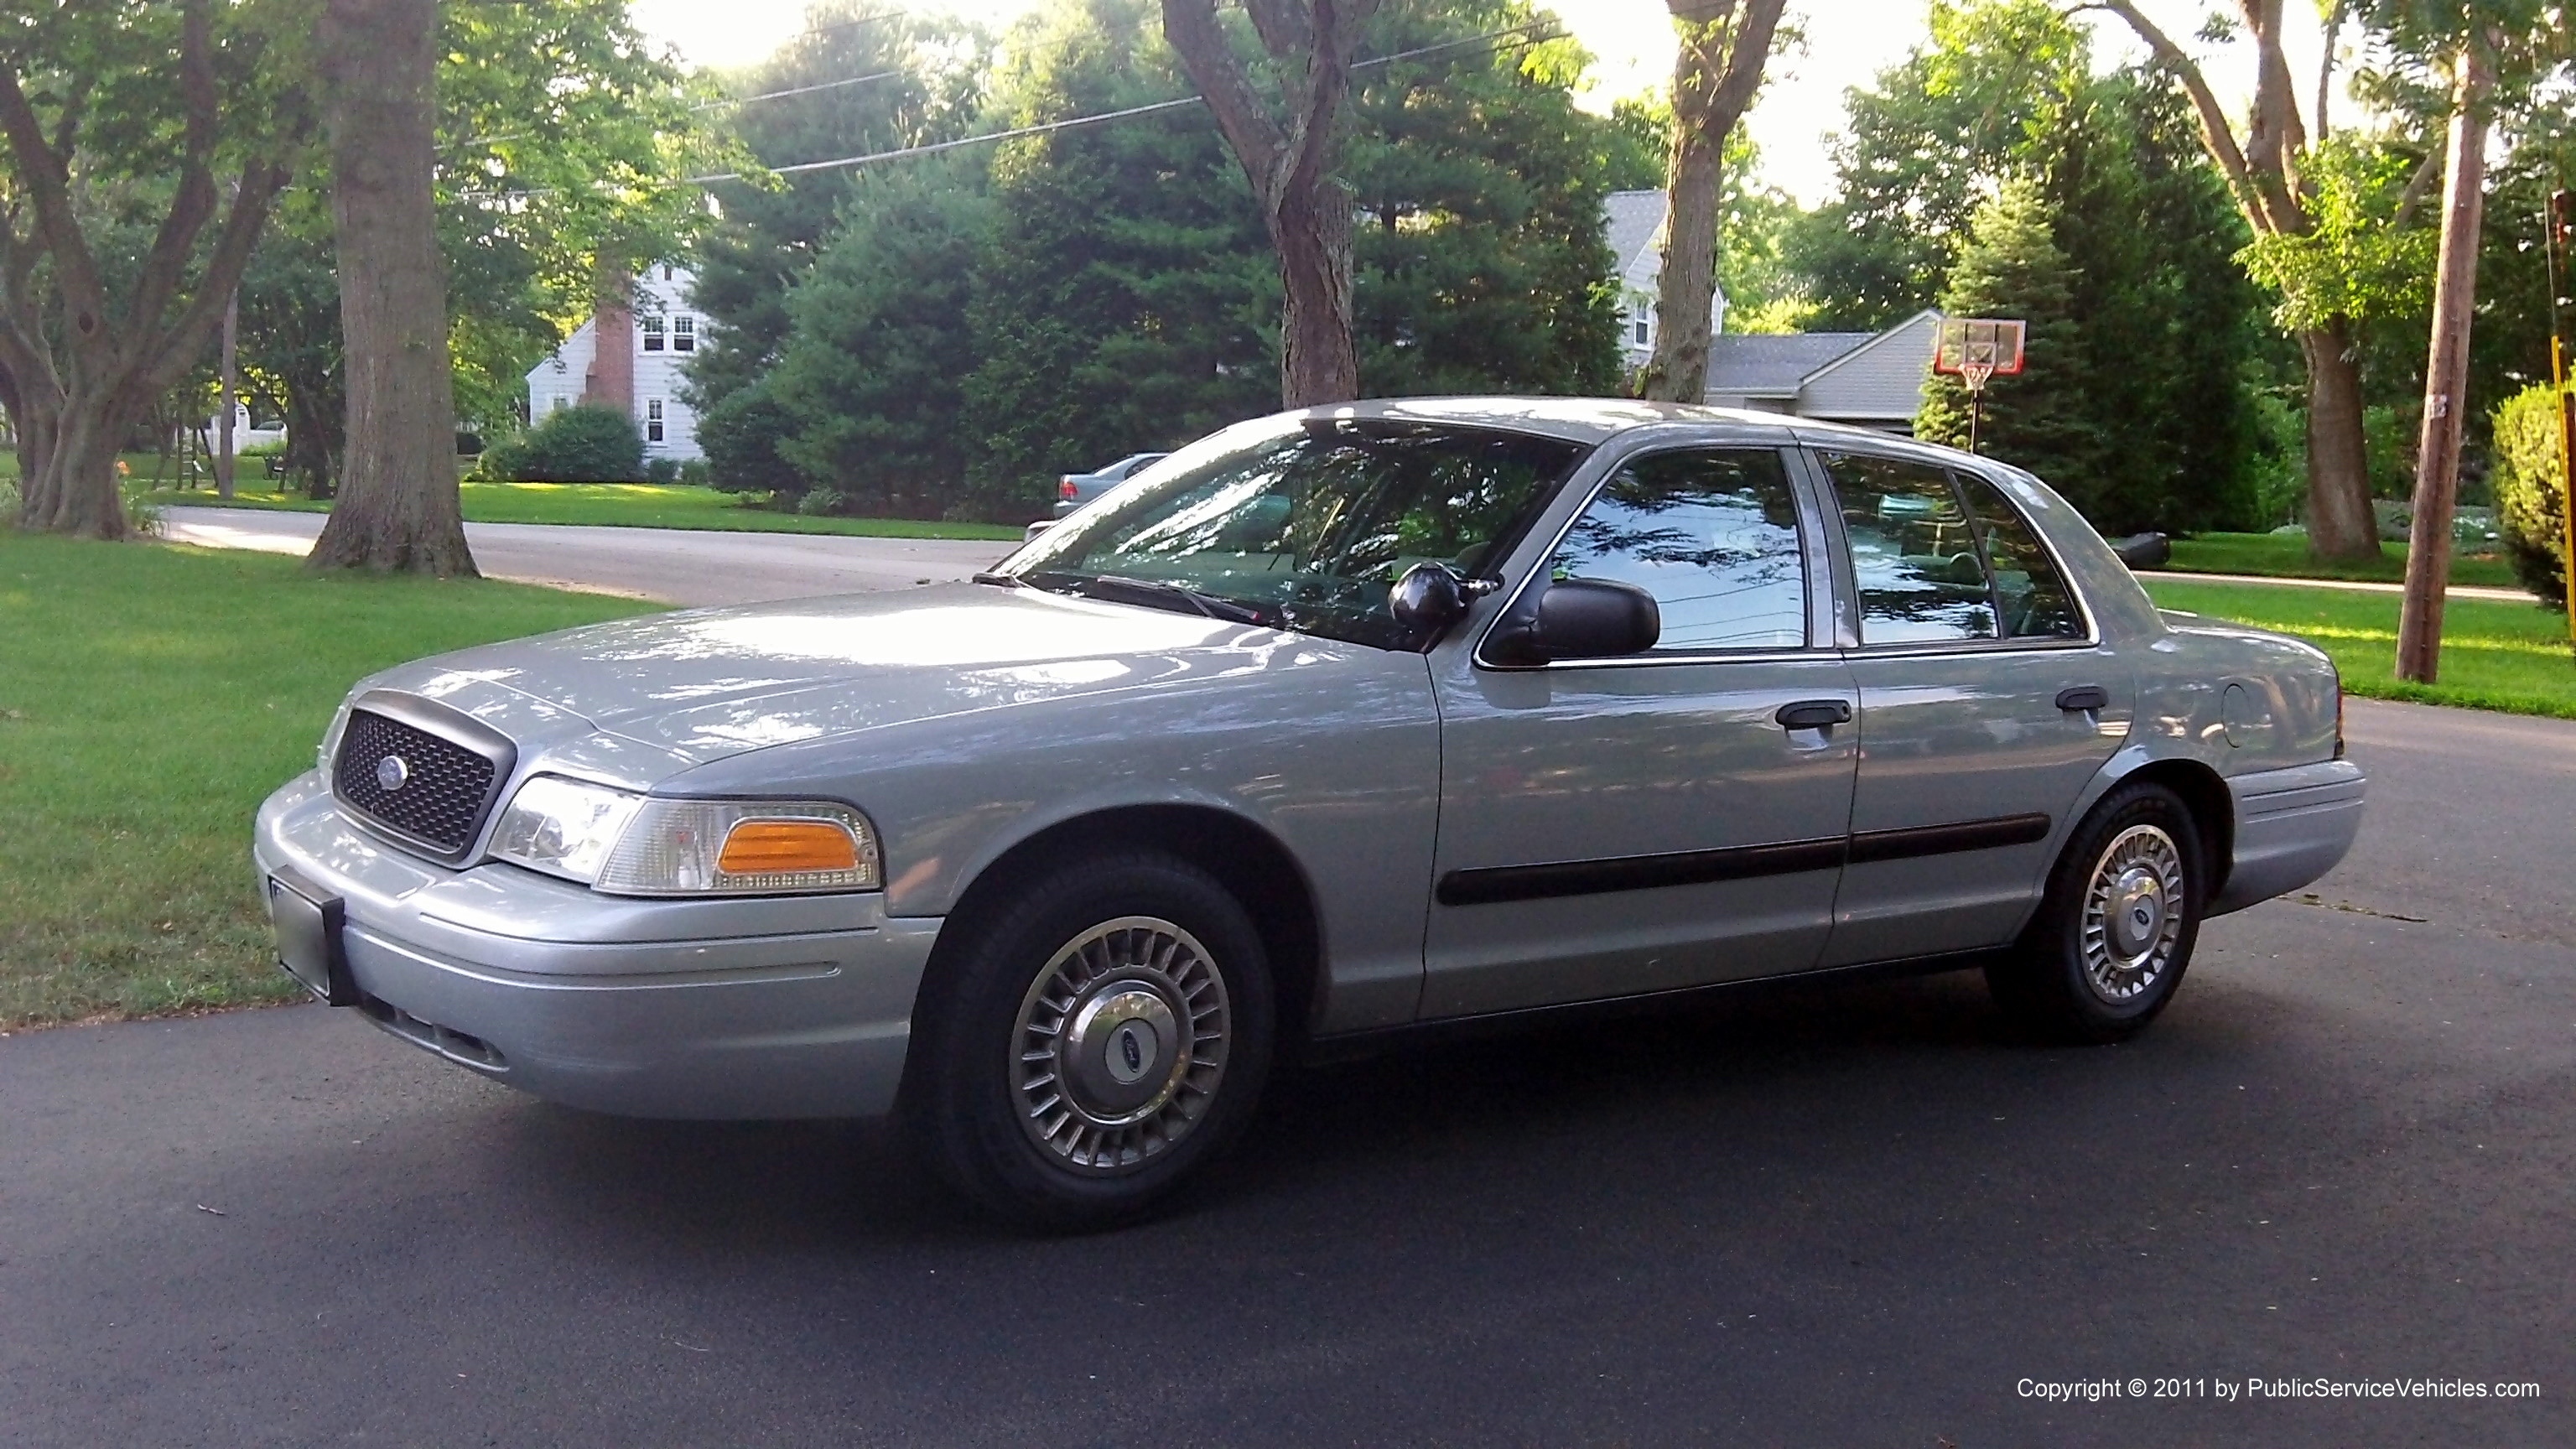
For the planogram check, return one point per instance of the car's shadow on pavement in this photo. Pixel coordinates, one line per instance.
(1562, 1116)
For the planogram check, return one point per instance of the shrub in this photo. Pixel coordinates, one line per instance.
(661, 470)
(693, 471)
(823, 501)
(583, 444)
(740, 433)
(2529, 491)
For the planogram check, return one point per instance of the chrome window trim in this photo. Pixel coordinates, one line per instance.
(1809, 542)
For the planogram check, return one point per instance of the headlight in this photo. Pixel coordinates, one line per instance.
(563, 827)
(635, 845)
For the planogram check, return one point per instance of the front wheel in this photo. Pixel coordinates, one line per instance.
(2115, 932)
(1093, 1044)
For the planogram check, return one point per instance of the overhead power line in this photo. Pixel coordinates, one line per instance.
(1536, 32)
(1523, 32)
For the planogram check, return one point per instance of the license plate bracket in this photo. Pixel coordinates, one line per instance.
(310, 924)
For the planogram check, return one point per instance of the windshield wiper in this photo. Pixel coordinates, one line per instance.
(1156, 594)
(1007, 581)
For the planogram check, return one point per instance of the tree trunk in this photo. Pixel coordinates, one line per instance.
(1318, 362)
(398, 506)
(2340, 522)
(1715, 75)
(1687, 291)
(2446, 373)
(226, 374)
(78, 488)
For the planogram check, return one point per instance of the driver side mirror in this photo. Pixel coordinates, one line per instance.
(1583, 619)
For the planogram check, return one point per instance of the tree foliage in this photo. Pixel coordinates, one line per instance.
(2530, 491)
(144, 146)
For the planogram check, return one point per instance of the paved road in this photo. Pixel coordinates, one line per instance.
(1839, 1217)
(677, 566)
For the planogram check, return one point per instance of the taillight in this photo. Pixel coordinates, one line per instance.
(1064, 489)
(2338, 718)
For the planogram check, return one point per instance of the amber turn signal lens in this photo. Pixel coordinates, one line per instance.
(784, 847)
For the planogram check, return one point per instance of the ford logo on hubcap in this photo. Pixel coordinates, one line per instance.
(391, 772)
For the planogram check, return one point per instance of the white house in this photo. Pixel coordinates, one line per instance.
(641, 379)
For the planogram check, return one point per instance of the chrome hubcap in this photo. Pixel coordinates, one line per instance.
(1121, 1045)
(2132, 913)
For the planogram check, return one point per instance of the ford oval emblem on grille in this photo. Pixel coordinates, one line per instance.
(391, 772)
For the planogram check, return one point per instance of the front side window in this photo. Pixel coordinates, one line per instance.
(684, 333)
(1712, 535)
(2033, 594)
(1913, 552)
(1304, 524)
(652, 334)
(653, 421)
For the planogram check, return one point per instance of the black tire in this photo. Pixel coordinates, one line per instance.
(2062, 984)
(971, 1083)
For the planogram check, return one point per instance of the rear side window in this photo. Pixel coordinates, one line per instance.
(1712, 535)
(1913, 552)
(2033, 594)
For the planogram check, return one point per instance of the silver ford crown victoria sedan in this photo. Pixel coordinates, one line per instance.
(1329, 726)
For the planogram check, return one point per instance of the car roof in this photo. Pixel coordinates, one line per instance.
(1585, 420)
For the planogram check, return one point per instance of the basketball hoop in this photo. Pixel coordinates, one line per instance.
(1977, 350)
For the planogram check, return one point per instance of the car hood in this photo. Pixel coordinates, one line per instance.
(703, 684)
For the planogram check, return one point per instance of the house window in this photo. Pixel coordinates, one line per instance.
(558, 403)
(652, 334)
(653, 421)
(666, 271)
(1641, 331)
(684, 333)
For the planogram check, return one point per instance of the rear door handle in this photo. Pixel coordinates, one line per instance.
(1814, 714)
(2084, 696)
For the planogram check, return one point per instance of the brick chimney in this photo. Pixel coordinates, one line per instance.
(610, 383)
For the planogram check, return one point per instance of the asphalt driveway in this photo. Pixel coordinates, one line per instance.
(1855, 1216)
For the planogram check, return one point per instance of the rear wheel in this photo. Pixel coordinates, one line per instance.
(2115, 932)
(1093, 1044)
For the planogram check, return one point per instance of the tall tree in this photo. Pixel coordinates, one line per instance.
(1724, 45)
(1125, 296)
(398, 507)
(861, 80)
(2011, 267)
(1288, 159)
(1479, 183)
(134, 107)
(2265, 169)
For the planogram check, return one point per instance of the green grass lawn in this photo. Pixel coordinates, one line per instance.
(2286, 556)
(2494, 655)
(623, 505)
(150, 697)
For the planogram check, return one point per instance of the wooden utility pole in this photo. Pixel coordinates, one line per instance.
(2446, 370)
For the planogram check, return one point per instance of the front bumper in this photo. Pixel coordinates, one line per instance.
(2292, 826)
(786, 1006)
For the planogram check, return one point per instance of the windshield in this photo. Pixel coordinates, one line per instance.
(1303, 524)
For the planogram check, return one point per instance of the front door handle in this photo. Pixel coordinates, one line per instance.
(1814, 714)
(2084, 696)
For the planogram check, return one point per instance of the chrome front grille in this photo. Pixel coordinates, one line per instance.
(427, 780)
